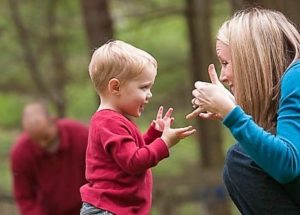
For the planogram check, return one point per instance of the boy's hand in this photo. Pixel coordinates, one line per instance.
(171, 136)
(160, 121)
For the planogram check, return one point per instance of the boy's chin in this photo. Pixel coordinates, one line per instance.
(135, 115)
(139, 114)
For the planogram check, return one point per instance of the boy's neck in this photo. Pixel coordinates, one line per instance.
(104, 106)
(107, 104)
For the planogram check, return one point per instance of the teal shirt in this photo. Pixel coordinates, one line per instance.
(278, 155)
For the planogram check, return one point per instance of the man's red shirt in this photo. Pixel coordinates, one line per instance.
(48, 183)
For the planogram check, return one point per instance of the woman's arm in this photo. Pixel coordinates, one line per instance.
(278, 155)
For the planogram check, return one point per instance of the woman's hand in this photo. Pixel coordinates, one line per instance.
(212, 100)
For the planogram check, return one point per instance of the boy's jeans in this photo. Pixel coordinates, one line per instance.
(88, 209)
(252, 190)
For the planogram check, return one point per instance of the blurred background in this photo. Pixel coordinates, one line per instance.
(45, 50)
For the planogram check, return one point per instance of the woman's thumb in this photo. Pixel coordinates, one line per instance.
(213, 74)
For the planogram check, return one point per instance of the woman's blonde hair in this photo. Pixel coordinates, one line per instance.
(117, 59)
(263, 43)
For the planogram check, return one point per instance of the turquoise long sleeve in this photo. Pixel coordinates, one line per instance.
(278, 155)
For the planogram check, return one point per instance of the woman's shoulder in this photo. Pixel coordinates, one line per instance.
(292, 73)
(289, 84)
(294, 67)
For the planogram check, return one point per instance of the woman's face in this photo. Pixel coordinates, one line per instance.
(224, 56)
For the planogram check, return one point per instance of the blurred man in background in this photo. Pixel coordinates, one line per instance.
(48, 163)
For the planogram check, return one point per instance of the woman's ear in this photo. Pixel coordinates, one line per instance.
(114, 86)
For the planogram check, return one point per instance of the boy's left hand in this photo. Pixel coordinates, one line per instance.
(160, 121)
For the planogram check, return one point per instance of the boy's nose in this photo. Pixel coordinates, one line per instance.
(149, 95)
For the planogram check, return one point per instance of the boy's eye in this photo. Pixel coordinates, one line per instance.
(146, 87)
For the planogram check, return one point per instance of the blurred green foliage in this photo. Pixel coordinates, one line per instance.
(10, 111)
(7, 138)
(166, 38)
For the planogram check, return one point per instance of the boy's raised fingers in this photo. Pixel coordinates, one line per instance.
(184, 132)
(168, 123)
(169, 113)
(159, 112)
(188, 133)
(172, 120)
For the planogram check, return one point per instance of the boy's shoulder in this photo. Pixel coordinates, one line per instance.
(108, 120)
(108, 117)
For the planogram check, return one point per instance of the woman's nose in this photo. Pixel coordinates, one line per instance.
(223, 76)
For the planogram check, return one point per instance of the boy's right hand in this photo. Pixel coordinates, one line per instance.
(171, 136)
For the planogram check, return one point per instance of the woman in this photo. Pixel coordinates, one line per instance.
(259, 53)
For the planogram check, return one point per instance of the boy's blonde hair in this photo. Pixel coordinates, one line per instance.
(263, 43)
(120, 60)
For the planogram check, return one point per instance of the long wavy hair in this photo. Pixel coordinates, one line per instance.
(263, 43)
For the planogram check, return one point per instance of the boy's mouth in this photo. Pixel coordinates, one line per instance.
(142, 107)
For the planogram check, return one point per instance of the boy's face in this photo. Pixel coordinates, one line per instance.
(134, 94)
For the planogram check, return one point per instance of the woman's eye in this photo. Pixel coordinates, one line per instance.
(224, 63)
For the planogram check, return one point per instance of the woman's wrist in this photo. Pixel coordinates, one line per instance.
(227, 109)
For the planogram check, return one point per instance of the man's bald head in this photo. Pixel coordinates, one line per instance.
(34, 116)
(37, 122)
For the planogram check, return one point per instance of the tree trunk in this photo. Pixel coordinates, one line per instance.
(209, 135)
(30, 57)
(59, 68)
(52, 90)
(98, 22)
(289, 8)
(242, 4)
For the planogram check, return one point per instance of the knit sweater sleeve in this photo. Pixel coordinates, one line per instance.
(128, 148)
(151, 134)
(278, 155)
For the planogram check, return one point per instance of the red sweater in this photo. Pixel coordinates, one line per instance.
(118, 162)
(48, 184)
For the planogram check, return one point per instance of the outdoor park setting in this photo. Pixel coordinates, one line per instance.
(46, 49)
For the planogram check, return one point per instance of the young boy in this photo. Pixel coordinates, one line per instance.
(119, 157)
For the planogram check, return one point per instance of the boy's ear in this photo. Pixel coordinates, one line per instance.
(114, 86)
